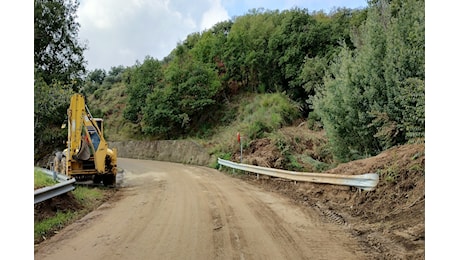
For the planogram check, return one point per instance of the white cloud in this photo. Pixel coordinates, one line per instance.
(119, 32)
(93, 12)
(215, 14)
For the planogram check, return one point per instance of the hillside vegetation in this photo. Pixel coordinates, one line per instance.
(354, 76)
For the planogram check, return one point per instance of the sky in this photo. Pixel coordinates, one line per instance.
(121, 32)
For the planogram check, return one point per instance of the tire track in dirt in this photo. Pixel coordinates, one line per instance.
(301, 233)
(226, 237)
(174, 211)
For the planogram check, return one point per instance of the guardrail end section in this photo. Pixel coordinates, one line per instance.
(373, 178)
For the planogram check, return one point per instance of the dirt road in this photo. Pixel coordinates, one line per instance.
(174, 211)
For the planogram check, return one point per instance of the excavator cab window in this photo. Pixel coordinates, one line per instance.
(99, 124)
(95, 139)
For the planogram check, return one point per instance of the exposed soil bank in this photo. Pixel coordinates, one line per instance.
(179, 151)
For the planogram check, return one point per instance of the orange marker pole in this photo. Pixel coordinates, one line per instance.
(238, 137)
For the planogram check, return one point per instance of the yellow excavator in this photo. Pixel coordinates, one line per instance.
(87, 156)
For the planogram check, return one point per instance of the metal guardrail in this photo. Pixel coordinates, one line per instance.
(366, 181)
(64, 186)
(56, 176)
(46, 193)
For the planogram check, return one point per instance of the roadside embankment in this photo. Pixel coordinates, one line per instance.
(180, 151)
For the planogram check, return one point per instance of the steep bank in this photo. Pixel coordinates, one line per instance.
(180, 151)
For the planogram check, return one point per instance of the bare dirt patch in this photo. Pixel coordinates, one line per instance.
(48, 208)
(389, 221)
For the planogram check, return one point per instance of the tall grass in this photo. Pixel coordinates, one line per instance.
(88, 197)
(41, 179)
(266, 113)
(256, 117)
(44, 228)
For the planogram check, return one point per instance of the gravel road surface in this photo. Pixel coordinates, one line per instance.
(173, 211)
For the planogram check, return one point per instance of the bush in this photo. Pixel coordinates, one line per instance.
(267, 113)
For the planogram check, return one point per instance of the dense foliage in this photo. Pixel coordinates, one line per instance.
(58, 56)
(356, 73)
(50, 105)
(374, 95)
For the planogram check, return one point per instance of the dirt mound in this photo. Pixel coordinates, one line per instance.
(390, 221)
(294, 148)
(261, 152)
(48, 208)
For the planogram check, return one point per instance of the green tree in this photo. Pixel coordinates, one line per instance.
(97, 76)
(331, 30)
(293, 40)
(339, 107)
(248, 61)
(50, 110)
(140, 81)
(114, 75)
(312, 76)
(58, 55)
(211, 48)
(162, 117)
(405, 72)
(191, 88)
(302, 45)
(93, 81)
(373, 97)
(354, 94)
